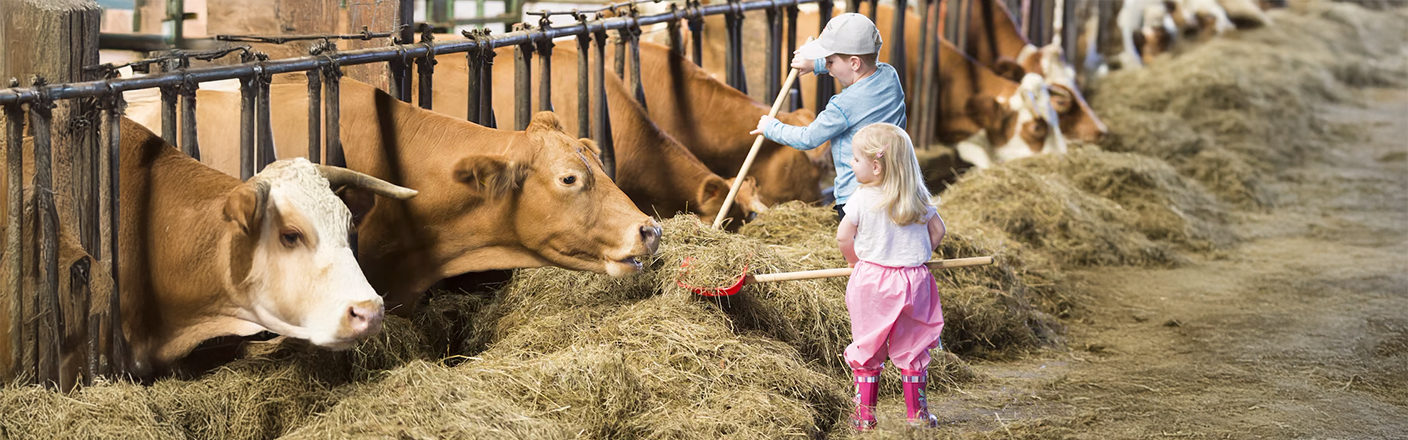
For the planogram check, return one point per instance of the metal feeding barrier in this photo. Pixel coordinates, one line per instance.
(35, 319)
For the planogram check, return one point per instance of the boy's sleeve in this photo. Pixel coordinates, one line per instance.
(819, 67)
(827, 125)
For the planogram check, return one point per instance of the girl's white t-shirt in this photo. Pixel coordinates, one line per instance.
(878, 239)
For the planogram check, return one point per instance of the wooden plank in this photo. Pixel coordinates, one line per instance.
(273, 18)
(376, 16)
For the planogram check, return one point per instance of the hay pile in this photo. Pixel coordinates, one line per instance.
(1230, 125)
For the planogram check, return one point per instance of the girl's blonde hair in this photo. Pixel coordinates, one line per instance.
(906, 198)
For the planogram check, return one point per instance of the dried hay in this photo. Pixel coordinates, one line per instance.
(1229, 124)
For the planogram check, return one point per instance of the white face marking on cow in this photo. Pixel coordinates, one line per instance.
(304, 281)
(1032, 103)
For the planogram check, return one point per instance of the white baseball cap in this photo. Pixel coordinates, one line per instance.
(849, 33)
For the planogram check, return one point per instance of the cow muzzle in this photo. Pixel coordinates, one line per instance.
(364, 318)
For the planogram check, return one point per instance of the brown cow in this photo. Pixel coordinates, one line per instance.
(713, 120)
(490, 199)
(654, 169)
(203, 255)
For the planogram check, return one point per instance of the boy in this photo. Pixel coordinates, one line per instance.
(848, 49)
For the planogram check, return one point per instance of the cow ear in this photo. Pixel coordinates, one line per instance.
(713, 188)
(1061, 98)
(1009, 69)
(591, 145)
(245, 205)
(985, 110)
(491, 175)
(358, 201)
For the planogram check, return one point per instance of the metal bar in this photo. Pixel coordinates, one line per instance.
(795, 95)
(738, 49)
(355, 57)
(315, 125)
(405, 19)
(852, 6)
(825, 86)
(545, 68)
(168, 114)
(774, 68)
(176, 13)
(472, 61)
(696, 29)
(676, 35)
(266, 154)
(897, 43)
(960, 35)
(602, 128)
(14, 168)
(248, 91)
(332, 99)
(584, 113)
(874, 9)
(636, 83)
(621, 54)
(46, 302)
(486, 88)
(730, 70)
(189, 142)
(425, 66)
(922, 79)
(522, 85)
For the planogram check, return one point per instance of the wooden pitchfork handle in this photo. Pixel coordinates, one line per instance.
(752, 153)
(830, 273)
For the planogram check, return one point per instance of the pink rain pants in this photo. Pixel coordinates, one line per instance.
(895, 312)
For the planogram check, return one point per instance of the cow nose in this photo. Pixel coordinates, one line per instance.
(752, 215)
(365, 318)
(650, 236)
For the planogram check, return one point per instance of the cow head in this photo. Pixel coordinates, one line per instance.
(562, 208)
(1078, 120)
(746, 204)
(1013, 126)
(291, 262)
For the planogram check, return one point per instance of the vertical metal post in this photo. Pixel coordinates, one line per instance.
(676, 36)
(922, 79)
(738, 76)
(852, 6)
(545, 68)
(315, 125)
(522, 85)
(897, 43)
(332, 100)
(400, 71)
(486, 85)
(14, 168)
(633, 33)
(584, 108)
(874, 9)
(425, 66)
(189, 142)
(46, 302)
(248, 90)
(825, 86)
(266, 154)
(795, 95)
(168, 115)
(601, 130)
(774, 73)
(472, 60)
(696, 29)
(621, 54)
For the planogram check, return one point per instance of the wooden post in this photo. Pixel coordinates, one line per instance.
(376, 16)
(14, 165)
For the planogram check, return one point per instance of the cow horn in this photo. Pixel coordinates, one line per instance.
(341, 176)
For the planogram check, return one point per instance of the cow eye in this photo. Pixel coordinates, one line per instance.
(569, 180)
(290, 239)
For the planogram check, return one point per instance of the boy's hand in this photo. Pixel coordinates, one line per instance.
(803, 65)
(762, 124)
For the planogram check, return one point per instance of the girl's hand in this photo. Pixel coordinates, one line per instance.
(762, 124)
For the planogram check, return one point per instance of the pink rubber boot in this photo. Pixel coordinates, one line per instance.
(916, 406)
(867, 389)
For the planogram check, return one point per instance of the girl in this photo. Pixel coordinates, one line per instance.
(889, 231)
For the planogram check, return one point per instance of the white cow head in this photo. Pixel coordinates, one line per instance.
(292, 267)
(1025, 124)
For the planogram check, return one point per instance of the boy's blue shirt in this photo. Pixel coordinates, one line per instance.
(876, 98)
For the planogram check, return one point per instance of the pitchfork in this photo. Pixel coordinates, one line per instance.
(748, 278)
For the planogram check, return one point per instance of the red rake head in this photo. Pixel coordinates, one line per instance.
(710, 291)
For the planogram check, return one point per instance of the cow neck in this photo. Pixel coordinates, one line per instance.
(426, 146)
(964, 79)
(721, 133)
(167, 281)
(659, 166)
(997, 33)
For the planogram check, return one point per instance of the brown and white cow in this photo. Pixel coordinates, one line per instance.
(203, 255)
(713, 121)
(999, 46)
(654, 169)
(1147, 30)
(489, 199)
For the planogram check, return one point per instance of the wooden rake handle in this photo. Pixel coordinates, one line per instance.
(831, 273)
(752, 153)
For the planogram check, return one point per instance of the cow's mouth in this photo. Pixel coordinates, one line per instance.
(632, 262)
